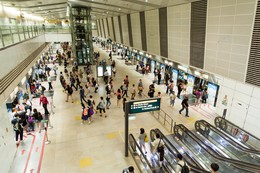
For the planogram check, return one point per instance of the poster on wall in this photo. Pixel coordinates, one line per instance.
(175, 76)
(190, 84)
(212, 93)
(100, 71)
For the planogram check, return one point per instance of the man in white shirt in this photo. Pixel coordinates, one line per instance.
(106, 74)
(180, 163)
(49, 82)
(158, 146)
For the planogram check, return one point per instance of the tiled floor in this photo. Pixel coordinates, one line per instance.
(99, 147)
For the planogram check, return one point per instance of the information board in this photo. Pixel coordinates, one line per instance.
(144, 105)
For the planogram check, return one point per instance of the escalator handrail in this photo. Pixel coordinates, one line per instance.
(193, 168)
(137, 145)
(236, 127)
(223, 135)
(204, 146)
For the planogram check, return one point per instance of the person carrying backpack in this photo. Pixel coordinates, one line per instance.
(182, 166)
(102, 106)
(18, 128)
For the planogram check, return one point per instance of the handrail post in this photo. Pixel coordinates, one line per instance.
(164, 118)
(172, 125)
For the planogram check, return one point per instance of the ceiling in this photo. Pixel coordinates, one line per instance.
(100, 8)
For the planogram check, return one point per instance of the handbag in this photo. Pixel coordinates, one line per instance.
(160, 148)
(146, 138)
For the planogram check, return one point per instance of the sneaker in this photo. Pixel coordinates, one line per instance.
(179, 112)
(187, 116)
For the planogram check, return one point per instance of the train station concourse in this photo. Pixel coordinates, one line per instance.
(132, 86)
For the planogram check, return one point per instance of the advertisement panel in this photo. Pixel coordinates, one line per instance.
(175, 74)
(212, 93)
(190, 84)
(100, 71)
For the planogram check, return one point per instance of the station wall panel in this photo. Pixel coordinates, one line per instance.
(125, 31)
(111, 29)
(228, 37)
(105, 28)
(136, 31)
(179, 33)
(116, 27)
(152, 31)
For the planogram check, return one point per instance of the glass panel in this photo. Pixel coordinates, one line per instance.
(16, 38)
(7, 39)
(22, 36)
(1, 44)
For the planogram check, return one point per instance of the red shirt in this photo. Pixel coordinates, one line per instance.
(43, 100)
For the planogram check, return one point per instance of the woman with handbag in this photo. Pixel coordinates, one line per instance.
(143, 138)
(158, 146)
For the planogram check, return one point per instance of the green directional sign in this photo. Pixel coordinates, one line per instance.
(146, 105)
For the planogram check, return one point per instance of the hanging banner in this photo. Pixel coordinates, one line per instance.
(191, 80)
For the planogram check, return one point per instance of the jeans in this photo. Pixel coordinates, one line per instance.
(19, 133)
(124, 93)
(50, 86)
(108, 103)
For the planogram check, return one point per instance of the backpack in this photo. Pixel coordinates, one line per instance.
(90, 111)
(184, 168)
(30, 119)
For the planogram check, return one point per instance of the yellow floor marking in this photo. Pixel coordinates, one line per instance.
(85, 162)
(77, 102)
(77, 117)
(112, 135)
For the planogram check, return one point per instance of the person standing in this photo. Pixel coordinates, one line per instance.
(214, 168)
(198, 95)
(106, 74)
(18, 128)
(110, 56)
(185, 106)
(159, 75)
(49, 82)
(38, 118)
(141, 138)
(179, 89)
(158, 146)
(72, 82)
(170, 87)
(84, 116)
(44, 101)
(101, 106)
(130, 169)
(55, 68)
(181, 166)
(204, 96)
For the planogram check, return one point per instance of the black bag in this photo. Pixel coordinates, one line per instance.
(119, 96)
(160, 148)
(184, 168)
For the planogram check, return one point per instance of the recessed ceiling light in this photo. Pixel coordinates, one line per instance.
(146, 0)
(119, 8)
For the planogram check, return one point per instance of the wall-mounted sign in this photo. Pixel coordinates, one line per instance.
(190, 84)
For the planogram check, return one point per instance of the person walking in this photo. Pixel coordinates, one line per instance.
(69, 93)
(140, 87)
(125, 89)
(110, 56)
(72, 82)
(101, 106)
(82, 95)
(44, 101)
(50, 83)
(142, 139)
(106, 74)
(185, 106)
(84, 116)
(119, 96)
(172, 98)
(18, 128)
(108, 100)
(159, 76)
(133, 92)
(38, 118)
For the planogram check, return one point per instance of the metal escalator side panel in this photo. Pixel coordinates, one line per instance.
(211, 153)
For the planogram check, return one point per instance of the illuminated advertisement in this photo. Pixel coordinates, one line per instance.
(190, 84)
(138, 57)
(100, 71)
(175, 76)
(152, 65)
(212, 93)
(109, 69)
(145, 60)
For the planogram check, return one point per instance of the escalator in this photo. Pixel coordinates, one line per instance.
(145, 163)
(226, 144)
(194, 165)
(241, 136)
(211, 155)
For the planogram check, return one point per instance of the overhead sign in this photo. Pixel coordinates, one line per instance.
(147, 105)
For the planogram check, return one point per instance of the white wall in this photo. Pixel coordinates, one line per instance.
(179, 33)
(58, 37)
(105, 26)
(125, 30)
(117, 32)
(152, 31)
(136, 30)
(243, 104)
(228, 37)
